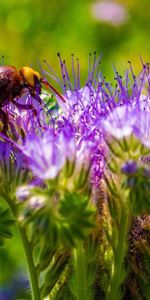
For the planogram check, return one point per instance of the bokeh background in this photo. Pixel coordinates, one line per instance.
(33, 30)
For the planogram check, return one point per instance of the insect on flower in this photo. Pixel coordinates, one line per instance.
(14, 82)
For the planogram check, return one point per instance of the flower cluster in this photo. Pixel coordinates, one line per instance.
(58, 152)
(84, 116)
(99, 109)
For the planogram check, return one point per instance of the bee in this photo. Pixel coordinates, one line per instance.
(14, 82)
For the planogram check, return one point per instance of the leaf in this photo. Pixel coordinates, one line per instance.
(64, 292)
(6, 222)
(45, 257)
(53, 274)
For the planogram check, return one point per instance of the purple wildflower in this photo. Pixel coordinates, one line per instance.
(85, 115)
(125, 120)
(142, 127)
(130, 167)
(132, 114)
(97, 108)
(46, 153)
(23, 192)
(120, 121)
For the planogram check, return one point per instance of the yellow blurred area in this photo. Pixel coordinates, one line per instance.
(31, 31)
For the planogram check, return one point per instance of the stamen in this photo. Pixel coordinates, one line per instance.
(63, 73)
(73, 72)
(78, 74)
(2, 63)
(97, 67)
(67, 75)
(94, 64)
(127, 80)
(89, 67)
(55, 77)
(131, 69)
(120, 82)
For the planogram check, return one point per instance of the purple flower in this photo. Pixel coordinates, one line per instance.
(24, 192)
(144, 102)
(130, 167)
(125, 120)
(86, 114)
(120, 121)
(142, 127)
(97, 108)
(46, 153)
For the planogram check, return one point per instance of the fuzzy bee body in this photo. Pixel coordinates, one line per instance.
(13, 84)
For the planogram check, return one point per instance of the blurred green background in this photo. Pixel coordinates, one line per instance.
(33, 30)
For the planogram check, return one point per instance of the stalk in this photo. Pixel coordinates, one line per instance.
(81, 282)
(27, 250)
(118, 270)
(30, 262)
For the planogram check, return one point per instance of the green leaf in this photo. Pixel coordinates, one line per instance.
(64, 292)
(53, 274)
(45, 257)
(6, 222)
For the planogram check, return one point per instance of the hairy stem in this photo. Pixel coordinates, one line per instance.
(28, 251)
(118, 269)
(31, 268)
(81, 283)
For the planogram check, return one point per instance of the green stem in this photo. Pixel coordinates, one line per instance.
(118, 270)
(28, 252)
(31, 268)
(81, 284)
